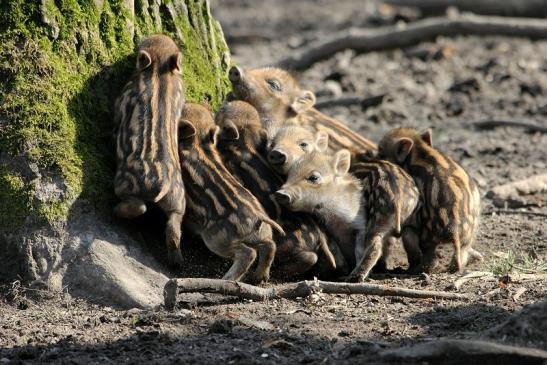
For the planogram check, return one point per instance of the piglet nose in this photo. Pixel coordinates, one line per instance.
(235, 74)
(282, 197)
(277, 157)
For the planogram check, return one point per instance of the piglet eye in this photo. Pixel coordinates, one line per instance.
(274, 85)
(314, 178)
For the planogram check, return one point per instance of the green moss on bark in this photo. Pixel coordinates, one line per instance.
(62, 64)
(16, 198)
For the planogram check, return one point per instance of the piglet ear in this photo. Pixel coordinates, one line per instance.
(143, 60)
(321, 141)
(175, 63)
(213, 134)
(403, 148)
(186, 129)
(229, 131)
(342, 161)
(303, 102)
(427, 137)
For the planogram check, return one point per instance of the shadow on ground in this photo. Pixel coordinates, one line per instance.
(459, 321)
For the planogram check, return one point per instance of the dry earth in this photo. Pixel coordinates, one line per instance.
(447, 85)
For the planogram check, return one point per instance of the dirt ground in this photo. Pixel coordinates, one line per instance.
(446, 85)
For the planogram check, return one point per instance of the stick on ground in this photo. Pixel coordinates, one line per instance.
(470, 275)
(448, 351)
(514, 211)
(291, 290)
(491, 124)
(526, 8)
(366, 40)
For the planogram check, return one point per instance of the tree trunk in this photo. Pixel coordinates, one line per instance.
(62, 64)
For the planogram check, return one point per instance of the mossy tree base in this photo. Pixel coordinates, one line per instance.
(62, 64)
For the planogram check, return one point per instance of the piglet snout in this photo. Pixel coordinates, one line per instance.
(282, 197)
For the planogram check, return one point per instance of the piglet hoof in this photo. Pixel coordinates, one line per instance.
(257, 279)
(414, 270)
(175, 258)
(354, 278)
(397, 271)
(380, 267)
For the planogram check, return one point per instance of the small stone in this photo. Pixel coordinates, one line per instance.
(223, 326)
(332, 88)
(184, 313)
(133, 311)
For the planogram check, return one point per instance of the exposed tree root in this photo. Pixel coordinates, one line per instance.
(367, 40)
(291, 290)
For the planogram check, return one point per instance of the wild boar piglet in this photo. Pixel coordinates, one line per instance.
(146, 117)
(366, 209)
(242, 145)
(291, 143)
(229, 219)
(451, 199)
(279, 99)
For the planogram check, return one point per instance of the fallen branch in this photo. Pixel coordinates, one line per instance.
(464, 352)
(291, 290)
(514, 211)
(491, 124)
(525, 8)
(367, 40)
(351, 100)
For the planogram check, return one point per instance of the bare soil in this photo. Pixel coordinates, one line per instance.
(446, 85)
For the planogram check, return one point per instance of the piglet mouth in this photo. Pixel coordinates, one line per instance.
(240, 92)
(318, 208)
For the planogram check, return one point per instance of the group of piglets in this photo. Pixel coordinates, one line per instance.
(271, 179)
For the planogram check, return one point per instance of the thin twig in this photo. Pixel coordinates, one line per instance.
(518, 293)
(291, 290)
(367, 40)
(471, 275)
(514, 211)
(491, 124)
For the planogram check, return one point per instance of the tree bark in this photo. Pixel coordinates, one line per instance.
(62, 65)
